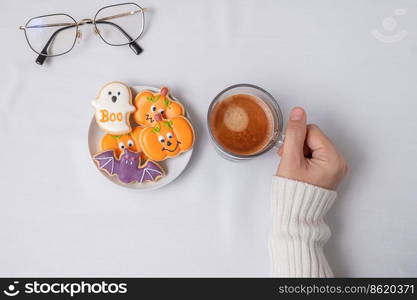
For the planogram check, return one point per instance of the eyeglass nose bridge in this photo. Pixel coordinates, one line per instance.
(85, 21)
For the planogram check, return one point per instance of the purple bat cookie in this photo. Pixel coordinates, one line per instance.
(128, 168)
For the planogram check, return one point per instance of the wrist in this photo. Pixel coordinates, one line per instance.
(296, 201)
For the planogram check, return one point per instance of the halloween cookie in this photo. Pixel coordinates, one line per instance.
(148, 104)
(128, 168)
(113, 107)
(118, 143)
(167, 138)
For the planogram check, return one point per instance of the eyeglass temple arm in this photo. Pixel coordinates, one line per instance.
(42, 57)
(133, 45)
(122, 14)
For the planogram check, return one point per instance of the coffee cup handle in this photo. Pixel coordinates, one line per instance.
(280, 141)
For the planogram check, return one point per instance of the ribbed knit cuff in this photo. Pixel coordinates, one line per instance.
(298, 230)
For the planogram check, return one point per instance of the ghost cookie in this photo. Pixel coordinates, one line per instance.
(113, 107)
(168, 138)
(148, 104)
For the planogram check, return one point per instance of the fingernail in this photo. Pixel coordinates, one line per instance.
(297, 114)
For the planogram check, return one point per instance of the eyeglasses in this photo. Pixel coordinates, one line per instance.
(56, 34)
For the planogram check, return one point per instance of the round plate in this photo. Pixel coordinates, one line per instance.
(173, 167)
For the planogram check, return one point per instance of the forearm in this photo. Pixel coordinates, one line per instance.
(298, 231)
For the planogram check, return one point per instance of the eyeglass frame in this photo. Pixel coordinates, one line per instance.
(132, 44)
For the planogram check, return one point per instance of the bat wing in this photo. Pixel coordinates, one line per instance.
(151, 171)
(107, 161)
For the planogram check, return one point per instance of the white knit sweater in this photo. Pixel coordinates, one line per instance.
(298, 230)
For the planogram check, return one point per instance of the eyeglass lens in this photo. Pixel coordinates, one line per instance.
(119, 24)
(56, 31)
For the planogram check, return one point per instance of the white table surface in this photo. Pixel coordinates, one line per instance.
(60, 217)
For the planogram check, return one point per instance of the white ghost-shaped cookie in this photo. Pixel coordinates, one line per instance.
(113, 107)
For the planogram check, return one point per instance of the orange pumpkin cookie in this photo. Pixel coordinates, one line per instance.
(119, 143)
(149, 104)
(167, 138)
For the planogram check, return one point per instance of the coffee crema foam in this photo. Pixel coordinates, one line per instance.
(236, 118)
(242, 124)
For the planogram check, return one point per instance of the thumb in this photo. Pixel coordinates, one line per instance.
(295, 135)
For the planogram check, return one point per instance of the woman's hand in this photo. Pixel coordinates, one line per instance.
(308, 155)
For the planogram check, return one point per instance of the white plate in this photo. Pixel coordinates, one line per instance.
(173, 167)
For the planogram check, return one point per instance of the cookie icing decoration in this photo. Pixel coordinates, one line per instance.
(168, 138)
(119, 143)
(113, 107)
(128, 168)
(148, 104)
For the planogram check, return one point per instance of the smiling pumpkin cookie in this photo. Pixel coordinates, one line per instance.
(167, 139)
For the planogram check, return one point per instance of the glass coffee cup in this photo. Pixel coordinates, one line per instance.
(244, 121)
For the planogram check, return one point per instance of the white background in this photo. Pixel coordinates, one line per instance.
(60, 217)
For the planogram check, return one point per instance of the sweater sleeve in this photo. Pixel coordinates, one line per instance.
(298, 230)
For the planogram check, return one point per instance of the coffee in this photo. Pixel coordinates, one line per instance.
(242, 124)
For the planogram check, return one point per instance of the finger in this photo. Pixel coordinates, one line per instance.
(295, 134)
(306, 151)
(318, 142)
